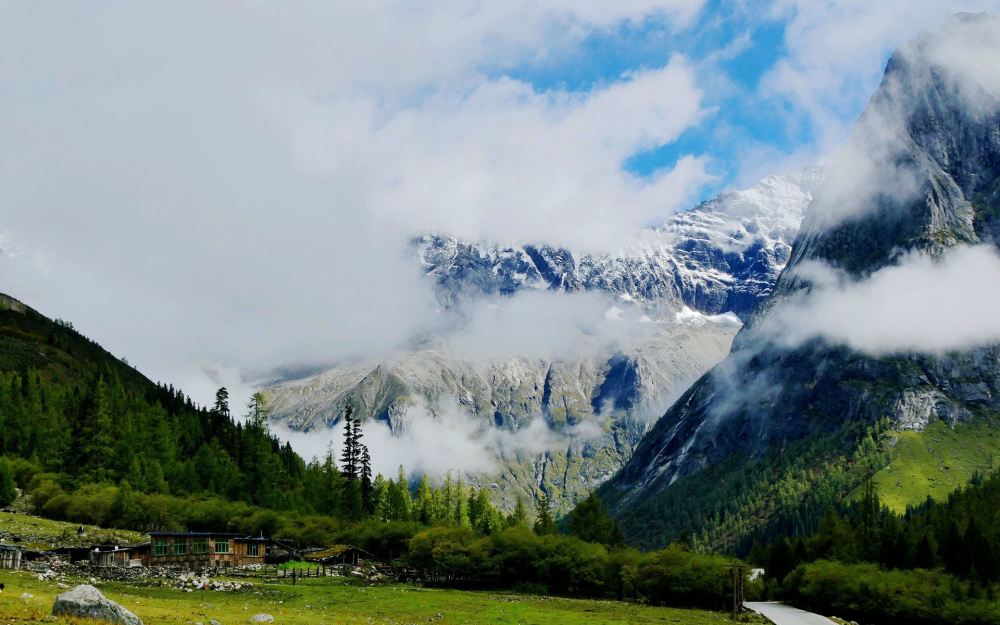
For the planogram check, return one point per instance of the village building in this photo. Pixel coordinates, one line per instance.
(10, 556)
(204, 549)
(115, 555)
(340, 554)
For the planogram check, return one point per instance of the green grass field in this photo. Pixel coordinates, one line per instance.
(331, 600)
(937, 461)
(39, 533)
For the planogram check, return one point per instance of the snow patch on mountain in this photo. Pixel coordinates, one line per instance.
(721, 256)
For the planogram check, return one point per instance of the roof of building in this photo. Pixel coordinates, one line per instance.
(241, 537)
(334, 551)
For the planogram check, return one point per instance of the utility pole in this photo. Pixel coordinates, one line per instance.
(737, 575)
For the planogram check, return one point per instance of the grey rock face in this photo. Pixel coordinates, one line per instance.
(607, 396)
(943, 156)
(85, 601)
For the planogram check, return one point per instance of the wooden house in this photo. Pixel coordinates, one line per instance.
(114, 555)
(281, 550)
(340, 554)
(204, 549)
(10, 556)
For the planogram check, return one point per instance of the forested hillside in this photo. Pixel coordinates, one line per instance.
(937, 562)
(71, 408)
(91, 439)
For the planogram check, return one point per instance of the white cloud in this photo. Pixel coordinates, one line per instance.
(547, 325)
(435, 442)
(508, 162)
(836, 50)
(922, 304)
(231, 186)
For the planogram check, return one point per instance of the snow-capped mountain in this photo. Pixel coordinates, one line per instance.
(562, 424)
(721, 256)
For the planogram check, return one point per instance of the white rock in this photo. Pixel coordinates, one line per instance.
(85, 601)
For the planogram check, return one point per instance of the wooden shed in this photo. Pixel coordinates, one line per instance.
(115, 555)
(10, 556)
(340, 554)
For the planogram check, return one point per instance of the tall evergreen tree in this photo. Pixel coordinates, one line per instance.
(544, 523)
(349, 454)
(8, 491)
(367, 498)
(592, 522)
(519, 517)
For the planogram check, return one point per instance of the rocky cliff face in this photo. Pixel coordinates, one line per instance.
(687, 282)
(921, 175)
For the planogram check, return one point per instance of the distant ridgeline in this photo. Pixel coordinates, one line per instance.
(771, 437)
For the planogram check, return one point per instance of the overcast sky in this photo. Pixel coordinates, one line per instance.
(209, 187)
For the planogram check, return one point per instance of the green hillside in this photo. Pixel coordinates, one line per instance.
(53, 349)
(937, 461)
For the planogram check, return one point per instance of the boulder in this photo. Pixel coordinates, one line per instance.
(88, 602)
(261, 618)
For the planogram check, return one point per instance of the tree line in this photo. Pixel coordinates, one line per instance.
(936, 562)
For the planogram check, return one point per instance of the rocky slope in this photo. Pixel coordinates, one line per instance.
(921, 176)
(678, 289)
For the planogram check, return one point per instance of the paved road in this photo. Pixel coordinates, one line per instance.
(786, 615)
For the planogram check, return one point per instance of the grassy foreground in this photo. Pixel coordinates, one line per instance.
(331, 600)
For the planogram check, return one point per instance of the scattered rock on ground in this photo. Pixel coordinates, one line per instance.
(88, 602)
(261, 618)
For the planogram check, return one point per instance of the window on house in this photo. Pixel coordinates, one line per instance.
(253, 549)
(199, 546)
(222, 546)
(160, 548)
(180, 547)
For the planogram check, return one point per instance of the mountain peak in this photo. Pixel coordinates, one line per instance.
(721, 256)
(919, 176)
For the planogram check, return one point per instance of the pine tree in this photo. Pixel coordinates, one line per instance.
(519, 517)
(257, 412)
(8, 490)
(461, 505)
(220, 415)
(591, 522)
(544, 523)
(400, 501)
(367, 500)
(349, 455)
(381, 508)
(424, 507)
